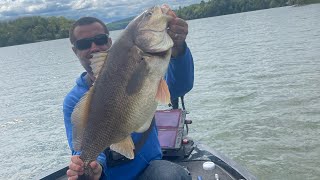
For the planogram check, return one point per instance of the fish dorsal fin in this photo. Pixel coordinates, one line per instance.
(124, 147)
(79, 119)
(97, 62)
(163, 94)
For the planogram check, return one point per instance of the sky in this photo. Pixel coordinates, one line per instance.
(106, 10)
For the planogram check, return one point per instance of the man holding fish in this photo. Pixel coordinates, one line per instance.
(109, 113)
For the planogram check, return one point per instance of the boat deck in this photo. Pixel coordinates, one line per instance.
(225, 168)
(197, 172)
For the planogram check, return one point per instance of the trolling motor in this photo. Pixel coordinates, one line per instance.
(173, 130)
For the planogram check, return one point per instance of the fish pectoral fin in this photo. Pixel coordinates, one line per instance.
(124, 147)
(163, 94)
(137, 79)
(79, 119)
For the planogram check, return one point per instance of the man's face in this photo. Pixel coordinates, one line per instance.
(89, 31)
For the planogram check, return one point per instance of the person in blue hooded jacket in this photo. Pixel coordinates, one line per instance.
(89, 35)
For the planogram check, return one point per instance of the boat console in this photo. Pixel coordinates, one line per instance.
(172, 133)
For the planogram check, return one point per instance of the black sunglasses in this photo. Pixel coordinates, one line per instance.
(85, 43)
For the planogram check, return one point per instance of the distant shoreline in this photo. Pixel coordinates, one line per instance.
(33, 29)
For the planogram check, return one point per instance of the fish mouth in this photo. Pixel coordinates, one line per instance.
(160, 54)
(155, 30)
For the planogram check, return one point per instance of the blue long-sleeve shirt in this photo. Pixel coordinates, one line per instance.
(179, 77)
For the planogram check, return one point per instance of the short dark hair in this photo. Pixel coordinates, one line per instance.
(85, 21)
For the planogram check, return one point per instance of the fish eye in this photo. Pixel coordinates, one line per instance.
(149, 13)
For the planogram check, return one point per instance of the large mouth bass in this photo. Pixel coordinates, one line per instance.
(129, 85)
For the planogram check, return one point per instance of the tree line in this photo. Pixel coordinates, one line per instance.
(33, 29)
(302, 2)
(222, 7)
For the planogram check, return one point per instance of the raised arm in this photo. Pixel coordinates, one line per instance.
(180, 74)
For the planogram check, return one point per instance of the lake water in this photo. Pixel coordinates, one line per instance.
(256, 95)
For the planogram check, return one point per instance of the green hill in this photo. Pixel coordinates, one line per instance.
(121, 24)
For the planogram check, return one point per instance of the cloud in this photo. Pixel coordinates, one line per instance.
(11, 8)
(108, 10)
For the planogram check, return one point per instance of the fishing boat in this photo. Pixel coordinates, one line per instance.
(219, 166)
(201, 161)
